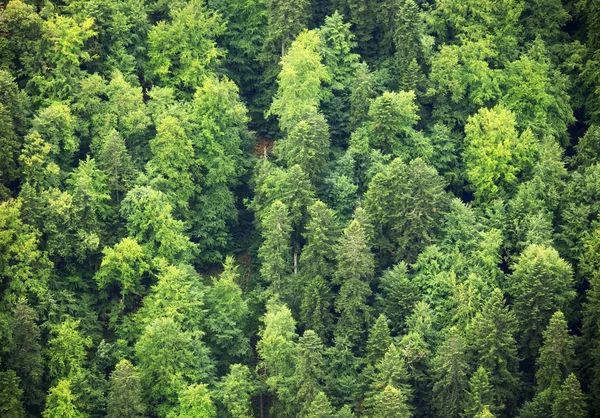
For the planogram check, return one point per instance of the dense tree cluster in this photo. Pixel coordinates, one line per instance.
(294, 208)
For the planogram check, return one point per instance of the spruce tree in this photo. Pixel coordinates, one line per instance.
(450, 370)
(569, 401)
(480, 395)
(491, 337)
(275, 252)
(125, 395)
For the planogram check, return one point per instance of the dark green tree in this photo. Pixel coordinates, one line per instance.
(11, 404)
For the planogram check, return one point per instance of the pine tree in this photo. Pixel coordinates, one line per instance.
(25, 354)
(227, 316)
(320, 407)
(396, 297)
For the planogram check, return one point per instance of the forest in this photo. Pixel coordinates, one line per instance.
(299, 208)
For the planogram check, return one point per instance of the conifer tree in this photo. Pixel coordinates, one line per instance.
(61, 403)
(569, 401)
(480, 395)
(275, 252)
(11, 404)
(540, 284)
(355, 269)
(309, 370)
(379, 340)
(125, 395)
(556, 355)
(491, 337)
(450, 375)
(320, 407)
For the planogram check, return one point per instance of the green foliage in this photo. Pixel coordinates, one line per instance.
(450, 375)
(300, 81)
(275, 251)
(556, 355)
(491, 337)
(405, 203)
(541, 283)
(67, 350)
(569, 401)
(379, 340)
(309, 370)
(169, 359)
(227, 316)
(285, 20)
(125, 396)
(195, 401)
(61, 403)
(496, 154)
(150, 221)
(236, 389)
(182, 52)
(355, 269)
(11, 405)
(480, 395)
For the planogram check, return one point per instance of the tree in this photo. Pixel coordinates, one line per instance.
(115, 161)
(396, 297)
(379, 340)
(56, 125)
(218, 139)
(194, 402)
(125, 264)
(277, 349)
(320, 407)
(300, 82)
(450, 375)
(570, 401)
(65, 54)
(169, 169)
(235, 391)
(10, 105)
(125, 396)
(391, 402)
(285, 21)
(541, 283)
(227, 316)
(317, 262)
(307, 145)
(588, 147)
(61, 403)
(355, 269)
(66, 351)
(309, 370)
(178, 294)
(342, 373)
(405, 204)
(491, 337)
(275, 251)
(169, 359)
(495, 154)
(150, 221)
(25, 353)
(11, 405)
(182, 52)
(556, 355)
(392, 117)
(480, 395)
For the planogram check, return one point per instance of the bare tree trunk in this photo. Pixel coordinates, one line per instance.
(282, 46)
(295, 262)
